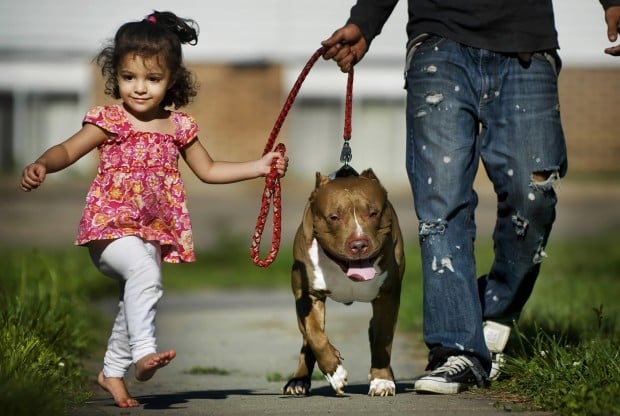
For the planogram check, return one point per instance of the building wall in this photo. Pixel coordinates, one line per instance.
(237, 107)
(46, 46)
(590, 106)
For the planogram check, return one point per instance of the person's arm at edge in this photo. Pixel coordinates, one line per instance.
(612, 18)
(370, 16)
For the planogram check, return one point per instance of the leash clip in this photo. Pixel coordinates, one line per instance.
(346, 169)
(345, 154)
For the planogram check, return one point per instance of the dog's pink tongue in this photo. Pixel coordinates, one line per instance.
(361, 271)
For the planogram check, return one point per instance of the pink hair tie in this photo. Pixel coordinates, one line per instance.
(151, 19)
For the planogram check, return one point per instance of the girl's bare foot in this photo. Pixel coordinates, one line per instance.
(150, 363)
(116, 387)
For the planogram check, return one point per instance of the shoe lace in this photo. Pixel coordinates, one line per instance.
(454, 364)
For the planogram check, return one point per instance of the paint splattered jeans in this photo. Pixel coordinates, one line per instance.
(466, 105)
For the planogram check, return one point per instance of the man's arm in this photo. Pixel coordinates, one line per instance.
(370, 16)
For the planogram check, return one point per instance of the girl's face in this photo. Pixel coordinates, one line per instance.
(142, 85)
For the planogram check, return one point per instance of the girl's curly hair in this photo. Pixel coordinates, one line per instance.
(161, 34)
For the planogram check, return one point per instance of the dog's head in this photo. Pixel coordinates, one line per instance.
(351, 218)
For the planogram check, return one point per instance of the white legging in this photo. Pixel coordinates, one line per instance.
(136, 264)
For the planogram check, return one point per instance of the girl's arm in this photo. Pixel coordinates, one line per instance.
(62, 155)
(210, 171)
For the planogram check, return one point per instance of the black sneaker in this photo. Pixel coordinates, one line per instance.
(457, 374)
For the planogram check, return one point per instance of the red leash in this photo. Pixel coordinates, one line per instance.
(272, 192)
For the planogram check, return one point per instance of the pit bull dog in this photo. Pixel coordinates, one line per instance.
(349, 248)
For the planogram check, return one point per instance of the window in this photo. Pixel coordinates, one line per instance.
(42, 120)
(377, 142)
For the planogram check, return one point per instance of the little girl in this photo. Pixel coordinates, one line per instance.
(136, 213)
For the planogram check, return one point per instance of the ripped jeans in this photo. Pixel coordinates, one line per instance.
(466, 105)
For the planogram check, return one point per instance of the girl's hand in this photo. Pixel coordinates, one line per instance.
(281, 163)
(62, 155)
(33, 176)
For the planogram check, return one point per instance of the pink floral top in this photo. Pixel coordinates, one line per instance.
(138, 189)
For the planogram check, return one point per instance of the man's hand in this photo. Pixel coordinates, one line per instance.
(612, 17)
(346, 46)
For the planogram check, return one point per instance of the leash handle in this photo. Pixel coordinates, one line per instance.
(348, 107)
(273, 192)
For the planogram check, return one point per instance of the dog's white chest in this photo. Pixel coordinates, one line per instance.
(327, 275)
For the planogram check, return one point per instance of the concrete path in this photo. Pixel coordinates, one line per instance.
(253, 337)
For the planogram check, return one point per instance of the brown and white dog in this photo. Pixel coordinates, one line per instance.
(349, 248)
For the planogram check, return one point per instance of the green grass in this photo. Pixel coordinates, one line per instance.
(563, 358)
(44, 332)
(574, 378)
(566, 355)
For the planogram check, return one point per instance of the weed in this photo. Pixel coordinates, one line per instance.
(275, 377)
(199, 370)
(278, 377)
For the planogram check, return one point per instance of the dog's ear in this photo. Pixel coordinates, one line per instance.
(369, 173)
(320, 180)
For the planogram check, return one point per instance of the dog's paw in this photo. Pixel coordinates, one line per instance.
(338, 379)
(382, 387)
(297, 387)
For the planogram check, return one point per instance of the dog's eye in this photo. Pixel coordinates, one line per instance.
(333, 218)
(373, 214)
